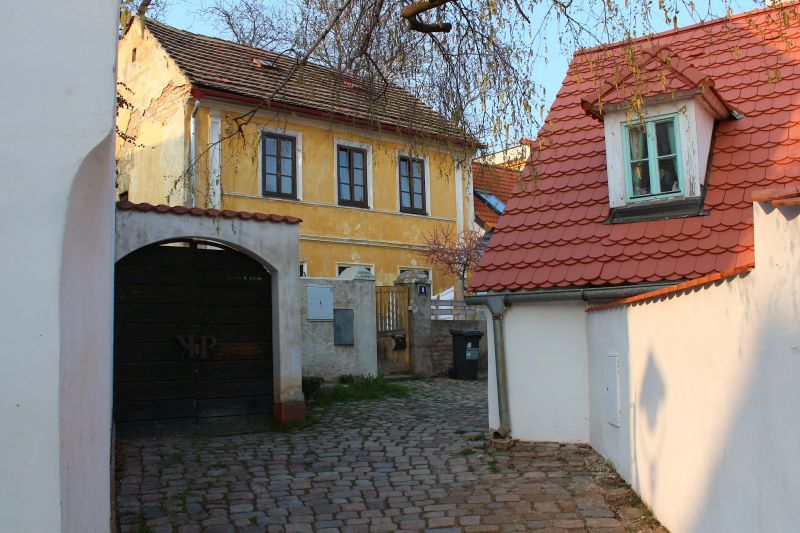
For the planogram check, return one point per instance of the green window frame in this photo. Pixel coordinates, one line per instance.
(652, 158)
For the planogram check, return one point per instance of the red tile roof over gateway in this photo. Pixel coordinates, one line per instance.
(552, 233)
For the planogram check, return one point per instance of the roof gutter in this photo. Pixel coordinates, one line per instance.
(498, 302)
(587, 294)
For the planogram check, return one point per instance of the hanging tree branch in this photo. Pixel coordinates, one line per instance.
(412, 13)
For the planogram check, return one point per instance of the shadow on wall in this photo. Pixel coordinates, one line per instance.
(756, 479)
(652, 395)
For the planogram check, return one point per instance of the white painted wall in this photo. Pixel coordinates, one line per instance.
(56, 210)
(548, 374)
(709, 391)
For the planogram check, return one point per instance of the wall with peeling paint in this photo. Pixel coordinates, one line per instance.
(380, 236)
(152, 164)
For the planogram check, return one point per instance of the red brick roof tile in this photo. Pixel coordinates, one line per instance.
(213, 213)
(494, 180)
(560, 226)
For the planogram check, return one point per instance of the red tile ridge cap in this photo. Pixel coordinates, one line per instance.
(681, 69)
(691, 27)
(775, 193)
(715, 276)
(789, 202)
(144, 207)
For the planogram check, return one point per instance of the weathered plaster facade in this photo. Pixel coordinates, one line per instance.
(156, 167)
(320, 356)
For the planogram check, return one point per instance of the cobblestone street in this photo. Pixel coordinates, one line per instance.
(403, 464)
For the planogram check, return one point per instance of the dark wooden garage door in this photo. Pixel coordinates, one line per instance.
(193, 342)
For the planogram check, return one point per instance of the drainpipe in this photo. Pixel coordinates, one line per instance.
(193, 152)
(497, 303)
(497, 307)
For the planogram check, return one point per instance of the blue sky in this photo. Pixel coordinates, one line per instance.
(550, 66)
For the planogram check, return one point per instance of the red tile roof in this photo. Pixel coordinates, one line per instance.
(213, 213)
(674, 289)
(552, 232)
(496, 180)
(227, 68)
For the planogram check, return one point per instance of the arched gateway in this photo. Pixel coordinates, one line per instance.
(206, 321)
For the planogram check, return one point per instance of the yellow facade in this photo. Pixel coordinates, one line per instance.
(156, 169)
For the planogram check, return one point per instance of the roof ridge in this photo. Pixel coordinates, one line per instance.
(255, 49)
(678, 31)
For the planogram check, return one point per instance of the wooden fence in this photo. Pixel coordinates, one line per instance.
(391, 309)
(453, 310)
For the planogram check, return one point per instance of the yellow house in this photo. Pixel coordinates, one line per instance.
(216, 124)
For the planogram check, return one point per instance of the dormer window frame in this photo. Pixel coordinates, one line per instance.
(653, 158)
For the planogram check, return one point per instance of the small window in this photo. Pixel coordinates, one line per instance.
(303, 269)
(351, 176)
(278, 166)
(133, 55)
(412, 185)
(426, 271)
(341, 267)
(652, 159)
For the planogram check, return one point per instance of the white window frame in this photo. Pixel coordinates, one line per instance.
(343, 266)
(337, 142)
(303, 269)
(426, 169)
(298, 154)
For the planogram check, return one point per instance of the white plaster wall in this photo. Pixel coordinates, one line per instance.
(546, 358)
(709, 390)
(320, 356)
(275, 245)
(56, 194)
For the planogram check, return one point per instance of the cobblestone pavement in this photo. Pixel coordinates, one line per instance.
(409, 464)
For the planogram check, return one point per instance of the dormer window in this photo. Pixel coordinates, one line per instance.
(652, 164)
(657, 151)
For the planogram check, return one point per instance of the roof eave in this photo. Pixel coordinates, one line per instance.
(199, 91)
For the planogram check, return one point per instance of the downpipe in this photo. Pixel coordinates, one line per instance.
(193, 152)
(497, 304)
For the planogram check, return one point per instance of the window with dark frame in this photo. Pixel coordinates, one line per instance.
(412, 185)
(278, 166)
(351, 176)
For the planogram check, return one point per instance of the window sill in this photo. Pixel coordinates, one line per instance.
(657, 209)
(280, 196)
(413, 212)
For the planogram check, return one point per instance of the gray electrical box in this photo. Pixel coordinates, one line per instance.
(343, 330)
(320, 302)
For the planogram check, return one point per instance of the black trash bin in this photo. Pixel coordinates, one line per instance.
(466, 343)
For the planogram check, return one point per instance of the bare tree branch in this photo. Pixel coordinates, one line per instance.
(412, 13)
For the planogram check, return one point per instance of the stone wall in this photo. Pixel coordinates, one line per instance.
(442, 344)
(320, 356)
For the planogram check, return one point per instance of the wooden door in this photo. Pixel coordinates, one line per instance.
(193, 342)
